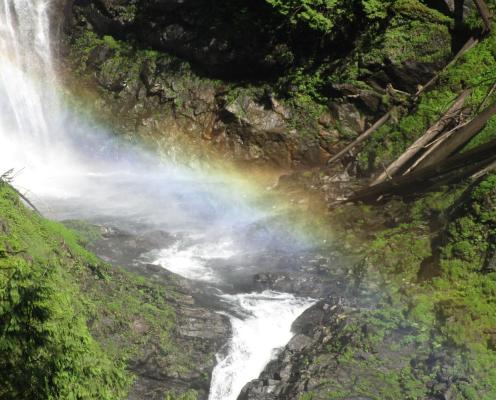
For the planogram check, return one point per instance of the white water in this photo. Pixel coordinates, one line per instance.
(266, 326)
(192, 260)
(72, 171)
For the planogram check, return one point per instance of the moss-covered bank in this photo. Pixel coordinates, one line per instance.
(435, 256)
(71, 325)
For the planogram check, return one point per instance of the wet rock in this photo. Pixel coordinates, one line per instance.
(298, 343)
(352, 122)
(368, 100)
(199, 323)
(200, 335)
(301, 284)
(245, 110)
(200, 332)
(284, 377)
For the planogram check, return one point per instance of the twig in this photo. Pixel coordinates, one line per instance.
(486, 97)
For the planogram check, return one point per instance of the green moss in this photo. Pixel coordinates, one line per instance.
(46, 348)
(70, 323)
(475, 70)
(453, 307)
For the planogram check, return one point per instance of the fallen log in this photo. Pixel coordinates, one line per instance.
(438, 142)
(484, 13)
(381, 121)
(449, 170)
(429, 135)
(471, 42)
(457, 139)
(433, 147)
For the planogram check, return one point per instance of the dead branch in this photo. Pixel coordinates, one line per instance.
(428, 136)
(491, 167)
(471, 42)
(484, 13)
(381, 121)
(486, 97)
(7, 178)
(431, 147)
(458, 139)
(448, 170)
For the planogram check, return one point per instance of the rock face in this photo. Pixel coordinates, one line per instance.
(200, 332)
(332, 356)
(196, 30)
(200, 335)
(237, 77)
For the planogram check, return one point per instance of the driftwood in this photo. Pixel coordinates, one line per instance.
(6, 178)
(429, 135)
(457, 138)
(381, 121)
(466, 47)
(484, 13)
(471, 42)
(449, 170)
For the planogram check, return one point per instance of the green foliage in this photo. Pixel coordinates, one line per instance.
(69, 324)
(326, 15)
(376, 9)
(476, 70)
(46, 350)
(320, 15)
(453, 307)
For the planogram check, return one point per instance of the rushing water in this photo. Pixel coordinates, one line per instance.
(268, 312)
(73, 171)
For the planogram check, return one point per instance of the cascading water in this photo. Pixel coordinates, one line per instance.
(268, 312)
(74, 172)
(26, 73)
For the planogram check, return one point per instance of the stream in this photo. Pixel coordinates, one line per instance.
(72, 169)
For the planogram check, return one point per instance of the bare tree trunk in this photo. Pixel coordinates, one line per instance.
(381, 121)
(449, 170)
(484, 13)
(432, 147)
(458, 138)
(429, 135)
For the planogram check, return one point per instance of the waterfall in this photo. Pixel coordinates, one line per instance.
(73, 171)
(28, 121)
